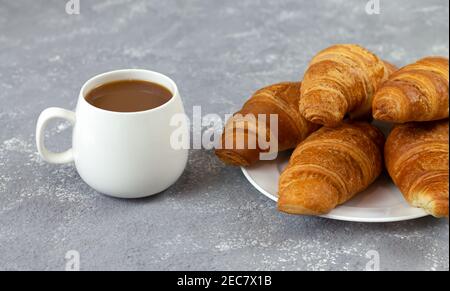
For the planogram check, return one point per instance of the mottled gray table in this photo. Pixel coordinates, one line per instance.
(218, 52)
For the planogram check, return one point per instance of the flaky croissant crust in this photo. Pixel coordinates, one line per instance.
(417, 92)
(330, 167)
(416, 156)
(341, 80)
(281, 99)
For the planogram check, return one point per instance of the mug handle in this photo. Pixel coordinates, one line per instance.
(45, 117)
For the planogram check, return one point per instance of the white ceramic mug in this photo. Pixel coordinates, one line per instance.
(121, 154)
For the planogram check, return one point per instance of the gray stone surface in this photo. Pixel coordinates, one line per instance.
(218, 52)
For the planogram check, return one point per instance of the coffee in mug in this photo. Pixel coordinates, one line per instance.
(128, 96)
(121, 133)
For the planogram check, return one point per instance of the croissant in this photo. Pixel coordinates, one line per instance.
(417, 92)
(330, 167)
(341, 80)
(416, 156)
(281, 99)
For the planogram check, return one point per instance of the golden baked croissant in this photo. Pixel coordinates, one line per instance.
(330, 167)
(281, 99)
(341, 80)
(416, 156)
(417, 92)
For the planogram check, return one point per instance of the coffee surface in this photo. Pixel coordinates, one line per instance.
(128, 96)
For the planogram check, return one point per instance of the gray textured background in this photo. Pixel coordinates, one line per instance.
(218, 52)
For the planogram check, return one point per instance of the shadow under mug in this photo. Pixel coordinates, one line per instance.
(121, 154)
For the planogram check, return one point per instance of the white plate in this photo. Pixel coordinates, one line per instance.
(381, 202)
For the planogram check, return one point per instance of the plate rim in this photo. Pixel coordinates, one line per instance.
(419, 214)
